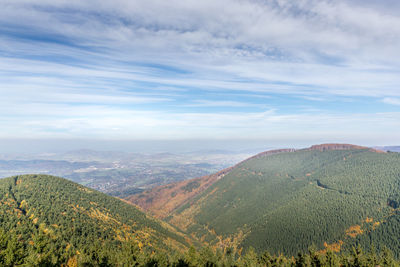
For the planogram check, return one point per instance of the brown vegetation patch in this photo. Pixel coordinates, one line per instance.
(334, 247)
(369, 220)
(324, 147)
(105, 217)
(84, 189)
(161, 201)
(375, 225)
(354, 231)
(232, 241)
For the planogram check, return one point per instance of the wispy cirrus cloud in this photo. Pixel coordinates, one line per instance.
(391, 101)
(228, 60)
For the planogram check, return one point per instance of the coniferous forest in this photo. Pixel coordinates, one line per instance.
(286, 202)
(50, 221)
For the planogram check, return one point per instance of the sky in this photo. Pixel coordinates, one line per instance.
(286, 73)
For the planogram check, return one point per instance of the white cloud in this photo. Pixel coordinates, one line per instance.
(67, 65)
(391, 101)
(109, 122)
(298, 42)
(224, 103)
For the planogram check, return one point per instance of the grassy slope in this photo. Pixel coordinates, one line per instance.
(76, 217)
(286, 202)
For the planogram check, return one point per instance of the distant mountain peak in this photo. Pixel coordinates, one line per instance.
(336, 146)
(320, 147)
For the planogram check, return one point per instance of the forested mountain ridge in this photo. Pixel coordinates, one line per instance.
(333, 196)
(333, 146)
(161, 201)
(50, 220)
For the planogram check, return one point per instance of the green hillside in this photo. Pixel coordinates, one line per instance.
(48, 220)
(272, 202)
(287, 202)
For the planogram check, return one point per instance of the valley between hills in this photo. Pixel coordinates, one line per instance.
(331, 196)
(333, 203)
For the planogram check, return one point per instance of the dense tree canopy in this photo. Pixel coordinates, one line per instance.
(52, 220)
(286, 202)
(331, 208)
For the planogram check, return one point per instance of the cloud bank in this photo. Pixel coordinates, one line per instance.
(199, 69)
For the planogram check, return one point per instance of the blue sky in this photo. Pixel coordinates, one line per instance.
(287, 72)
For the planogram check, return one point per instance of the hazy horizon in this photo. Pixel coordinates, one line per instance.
(34, 146)
(266, 73)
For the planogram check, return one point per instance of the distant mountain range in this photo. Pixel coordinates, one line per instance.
(389, 148)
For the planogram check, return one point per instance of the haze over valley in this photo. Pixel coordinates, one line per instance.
(120, 173)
